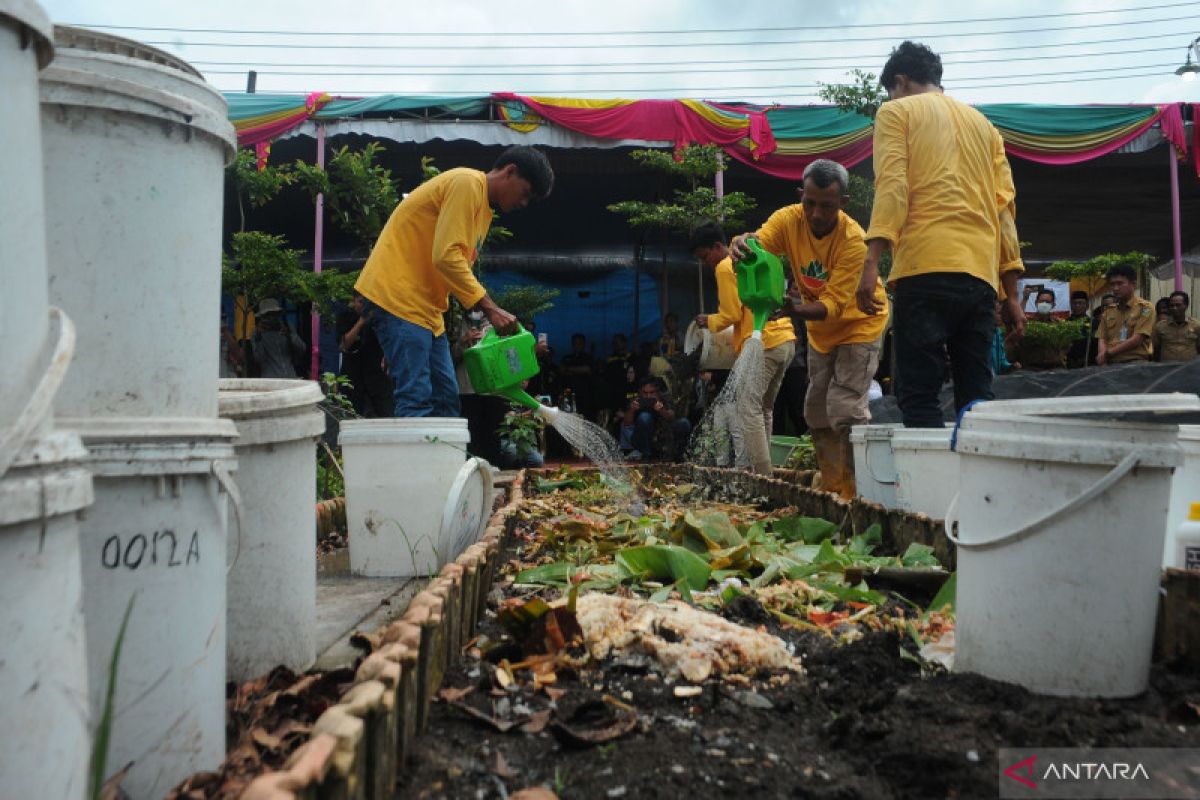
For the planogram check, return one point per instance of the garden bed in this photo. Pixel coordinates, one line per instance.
(436, 710)
(868, 718)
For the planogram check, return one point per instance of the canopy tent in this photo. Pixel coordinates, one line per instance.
(779, 140)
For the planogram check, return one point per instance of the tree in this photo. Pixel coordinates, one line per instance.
(359, 194)
(254, 185)
(1092, 271)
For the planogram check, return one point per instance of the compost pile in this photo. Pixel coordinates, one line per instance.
(674, 641)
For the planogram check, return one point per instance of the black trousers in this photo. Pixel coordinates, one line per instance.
(939, 315)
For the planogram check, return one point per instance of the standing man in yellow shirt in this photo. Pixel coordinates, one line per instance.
(1127, 325)
(826, 249)
(944, 203)
(425, 253)
(756, 402)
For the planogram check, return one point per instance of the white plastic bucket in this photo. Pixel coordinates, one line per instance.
(717, 350)
(134, 149)
(272, 586)
(24, 48)
(157, 534)
(43, 669)
(1185, 490)
(398, 477)
(926, 470)
(874, 465)
(1060, 526)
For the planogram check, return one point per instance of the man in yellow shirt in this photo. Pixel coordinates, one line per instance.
(1177, 338)
(425, 253)
(1126, 327)
(826, 250)
(944, 203)
(756, 402)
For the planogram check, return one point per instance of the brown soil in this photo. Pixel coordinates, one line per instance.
(866, 722)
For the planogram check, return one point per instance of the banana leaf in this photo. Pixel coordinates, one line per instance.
(705, 533)
(945, 596)
(664, 563)
(810, 530)
(865, 543)
(919, 555)
(556, 574)
(543, 485)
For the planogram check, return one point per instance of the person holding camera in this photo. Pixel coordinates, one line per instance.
(650, 425)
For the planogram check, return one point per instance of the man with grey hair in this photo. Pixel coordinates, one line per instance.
(827, 251)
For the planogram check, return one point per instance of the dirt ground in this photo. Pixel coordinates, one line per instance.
(866, 722)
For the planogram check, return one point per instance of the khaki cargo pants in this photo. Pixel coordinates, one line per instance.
(837, 385)
(756, 405)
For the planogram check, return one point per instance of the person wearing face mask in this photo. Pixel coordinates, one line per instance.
(1036, 354)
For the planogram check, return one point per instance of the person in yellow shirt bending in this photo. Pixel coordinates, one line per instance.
(944, 203)
(826, 250)
(425, 253)
(755, 403)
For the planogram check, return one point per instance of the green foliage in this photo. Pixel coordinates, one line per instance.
(862, 95)
(1054, 335)
(262, 266)
(330, 483)
(803, 455)
(428, 168)
(525, 302)
(696, 164)
(258, 186)
(359, 194)
(1097, 266)
(337, 396)
(523, 429)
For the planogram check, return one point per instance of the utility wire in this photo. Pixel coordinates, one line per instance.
(672, 32)
(613, 46)
(719, 71)
(797, 63)
(757, 90)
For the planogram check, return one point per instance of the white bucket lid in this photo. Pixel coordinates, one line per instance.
(120, 446)
(1189, 433)
(254, 397)
(46, 479)
(404, 430)
(468, 507)
(921, 438)
(1073, 440)
(1087, 405)
(99, 70)
(31, 15)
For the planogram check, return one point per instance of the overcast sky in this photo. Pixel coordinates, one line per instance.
(1073, 51)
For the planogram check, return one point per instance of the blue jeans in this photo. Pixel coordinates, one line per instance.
(420, 365)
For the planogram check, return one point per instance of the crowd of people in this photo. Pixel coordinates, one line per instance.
(944, 208)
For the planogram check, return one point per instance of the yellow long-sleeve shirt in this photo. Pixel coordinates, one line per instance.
(827, 271)
(730, 311)
(942, 187)
(427, 248)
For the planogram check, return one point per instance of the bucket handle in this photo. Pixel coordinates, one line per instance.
(871, 468)
(42, 398)
(225, 478)
(1104, 484)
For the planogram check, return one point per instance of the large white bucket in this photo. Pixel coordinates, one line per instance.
(874, 465)
(43, 664)
(24, 48)
(157, 535)
(1060, 526)
(272, 586)
(134, 145)
(1185, 490)
(926, 470)
(399, 473)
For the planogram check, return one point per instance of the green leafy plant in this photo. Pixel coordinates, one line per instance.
(262, 265)
(523, 429)
(862, 94)
(253, 185)
(1098, 266)
(803, 455)
(1054, 335)
(525, 302)
(359, 194)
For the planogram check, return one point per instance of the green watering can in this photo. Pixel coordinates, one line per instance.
(760, 283)
(499, 364)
